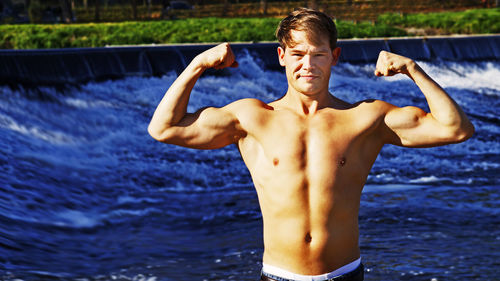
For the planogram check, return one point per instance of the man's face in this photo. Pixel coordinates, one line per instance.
(308, 65)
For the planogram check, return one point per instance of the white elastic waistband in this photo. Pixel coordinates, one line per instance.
(269, 269)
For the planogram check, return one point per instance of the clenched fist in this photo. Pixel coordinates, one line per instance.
(389, 64)
(218, 57)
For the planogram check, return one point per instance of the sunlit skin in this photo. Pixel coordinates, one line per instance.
(308, 67)
(309, 153)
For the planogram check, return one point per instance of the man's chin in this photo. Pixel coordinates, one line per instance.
(309, 89)
(309, 92)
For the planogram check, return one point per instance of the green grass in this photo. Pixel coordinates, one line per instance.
(212, 30)
(466, 22)
(34, 36)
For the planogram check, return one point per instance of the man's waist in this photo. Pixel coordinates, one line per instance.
(310, 262)
(347, 272)
(300, 249)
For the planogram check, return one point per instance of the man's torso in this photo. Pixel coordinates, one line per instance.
(309, 172)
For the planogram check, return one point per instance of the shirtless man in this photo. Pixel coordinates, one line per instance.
(309, 153)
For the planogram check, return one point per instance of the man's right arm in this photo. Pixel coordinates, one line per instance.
(205, 129)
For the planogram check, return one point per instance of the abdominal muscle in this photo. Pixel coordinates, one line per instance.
(304, 237)
(309, 207)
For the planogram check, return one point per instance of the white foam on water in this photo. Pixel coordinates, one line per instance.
(31, 131)
(482, 77)
(74, 218)
(65, 218)
(81, 103)
(428, 179)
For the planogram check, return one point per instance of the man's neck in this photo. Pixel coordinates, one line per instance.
(307, 105)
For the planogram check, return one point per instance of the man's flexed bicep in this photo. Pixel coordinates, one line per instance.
(208, 128)
(411, 126)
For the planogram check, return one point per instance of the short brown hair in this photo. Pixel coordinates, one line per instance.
(316, 24)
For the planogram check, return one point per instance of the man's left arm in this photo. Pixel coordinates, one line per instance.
(411, 126)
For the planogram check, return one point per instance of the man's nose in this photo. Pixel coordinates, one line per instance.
(307, 61)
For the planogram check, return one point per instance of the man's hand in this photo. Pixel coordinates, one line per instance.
(218, 57)
(389, 64)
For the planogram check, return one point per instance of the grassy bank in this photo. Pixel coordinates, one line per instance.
(161, 32)
(132, 33)
(202, 30)
(467, 22)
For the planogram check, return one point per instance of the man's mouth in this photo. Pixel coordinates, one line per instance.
(307, 77)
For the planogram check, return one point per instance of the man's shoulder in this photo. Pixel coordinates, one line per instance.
(369, 111)
(247, 105)
(372, 105)
(250, 112)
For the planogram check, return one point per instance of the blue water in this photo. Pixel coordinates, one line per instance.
(86, 194)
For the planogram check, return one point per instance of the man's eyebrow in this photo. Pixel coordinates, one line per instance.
(319, 51)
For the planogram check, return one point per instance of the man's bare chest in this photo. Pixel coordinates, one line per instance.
(298, 141)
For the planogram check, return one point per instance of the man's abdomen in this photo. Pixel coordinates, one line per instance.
(309, 240)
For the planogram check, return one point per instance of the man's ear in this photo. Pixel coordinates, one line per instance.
(336, 56)
(281, 56)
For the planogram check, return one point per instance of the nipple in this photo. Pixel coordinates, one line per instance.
(276, 161)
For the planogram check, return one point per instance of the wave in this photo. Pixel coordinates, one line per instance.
(77, 164)
(32, 131)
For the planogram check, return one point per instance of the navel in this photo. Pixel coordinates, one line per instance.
(342, 162)
(308, 238)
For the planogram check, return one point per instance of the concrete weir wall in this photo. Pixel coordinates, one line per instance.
(79, 65)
